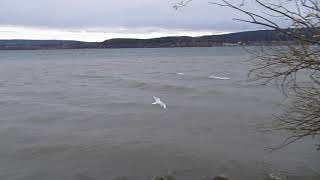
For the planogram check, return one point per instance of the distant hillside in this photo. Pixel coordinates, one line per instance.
(22, 42)
(248, 38)
(262, 36)
(43, 44)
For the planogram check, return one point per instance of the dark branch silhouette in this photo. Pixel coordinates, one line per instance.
(294, 66)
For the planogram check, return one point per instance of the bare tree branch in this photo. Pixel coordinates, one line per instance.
(294, 66)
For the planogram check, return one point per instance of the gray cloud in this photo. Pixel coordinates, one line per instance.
(108, 14)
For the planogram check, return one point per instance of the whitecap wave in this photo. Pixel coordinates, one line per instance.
(218, 77)
(180, 74)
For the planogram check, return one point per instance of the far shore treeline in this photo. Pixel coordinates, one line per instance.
(233, 39)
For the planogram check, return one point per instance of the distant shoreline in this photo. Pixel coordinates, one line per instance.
(264, 37)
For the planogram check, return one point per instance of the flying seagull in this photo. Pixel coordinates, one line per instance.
(181, 74)
(158, 101)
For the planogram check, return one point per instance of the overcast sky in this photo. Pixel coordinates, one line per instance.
(97, 20)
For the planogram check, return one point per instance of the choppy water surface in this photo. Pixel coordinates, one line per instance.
(87, 114)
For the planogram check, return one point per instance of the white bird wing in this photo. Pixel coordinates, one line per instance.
(156, 98)
(158, 101)
(164, 106)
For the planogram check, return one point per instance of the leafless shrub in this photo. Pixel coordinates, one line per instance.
(294, 66)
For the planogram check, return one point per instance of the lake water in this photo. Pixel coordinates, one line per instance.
(87, 114)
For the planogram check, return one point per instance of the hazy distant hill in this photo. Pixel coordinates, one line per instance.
(44, 44)
(249, 37)
(264, 36)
